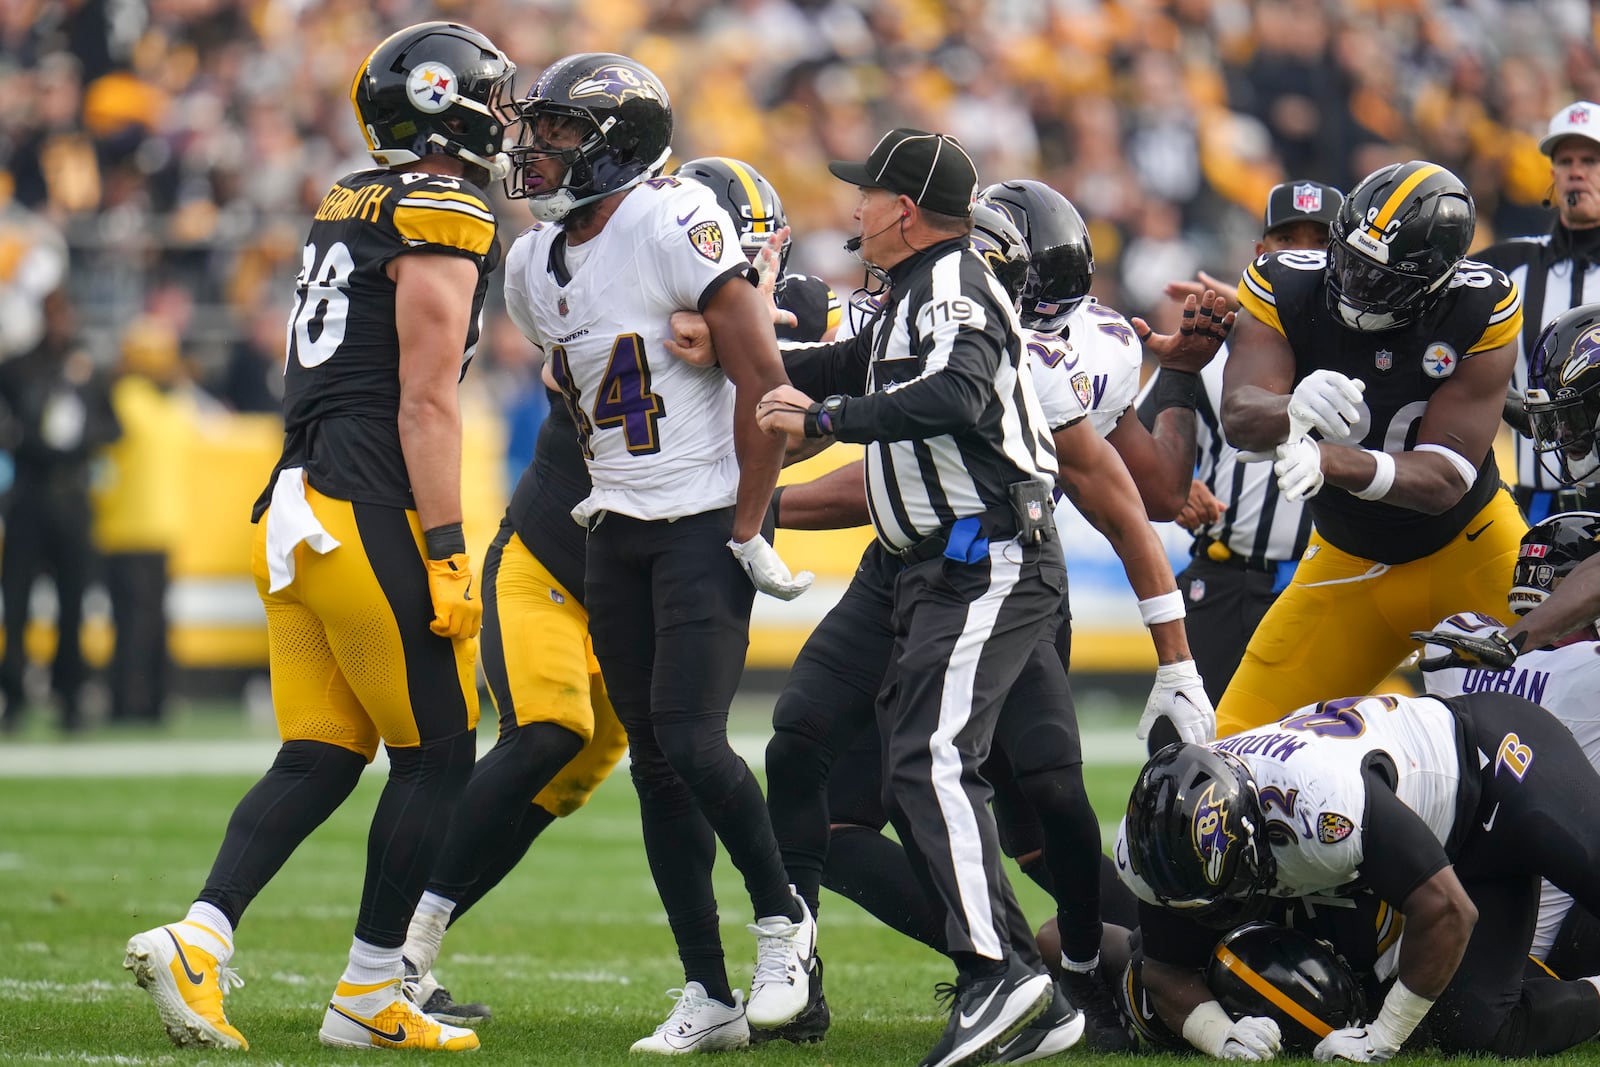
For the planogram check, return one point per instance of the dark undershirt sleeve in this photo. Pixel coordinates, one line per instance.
(1399, 852)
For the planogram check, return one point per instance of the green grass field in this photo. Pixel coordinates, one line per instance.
(572, 950)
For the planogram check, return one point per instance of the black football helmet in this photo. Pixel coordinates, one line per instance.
(1195, 831)
(1395, 243)
(1061, 260)
(436, 87)
(1288, 976)
(1563, 395)
(626, 120)
(1550, 549)
(1150, 1032)
(996, 238)
(748, 197)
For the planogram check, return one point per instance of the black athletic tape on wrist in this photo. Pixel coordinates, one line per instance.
(1176, 389)
(445, 541)
(774, 509)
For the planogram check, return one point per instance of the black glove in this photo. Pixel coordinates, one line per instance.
(1492, 651)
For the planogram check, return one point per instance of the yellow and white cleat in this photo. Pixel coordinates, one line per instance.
(183, 967)
(382, 1016)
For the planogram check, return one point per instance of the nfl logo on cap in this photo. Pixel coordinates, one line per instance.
(1308, 198)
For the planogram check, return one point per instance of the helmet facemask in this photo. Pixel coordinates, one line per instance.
(1371, 297)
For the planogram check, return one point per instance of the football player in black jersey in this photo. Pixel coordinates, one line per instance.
(359, 556)
(1396, 351)
(754, 205)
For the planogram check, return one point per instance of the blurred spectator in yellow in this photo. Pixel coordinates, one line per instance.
(60, 415)
(139, 501)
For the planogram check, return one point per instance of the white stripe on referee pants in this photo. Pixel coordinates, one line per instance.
(955, 709)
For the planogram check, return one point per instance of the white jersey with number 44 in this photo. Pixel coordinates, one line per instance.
(1092, 365)
(657, 432)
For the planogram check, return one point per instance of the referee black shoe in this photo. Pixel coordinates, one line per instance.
(1058, 1028)
(987, 1012)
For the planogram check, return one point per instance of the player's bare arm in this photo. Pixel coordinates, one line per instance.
(1574, 604)
(1439, 920)
(835, 501)
(1256, 385)
(1462, 416)
(1098, 483)
(1161, 463)
(432, 309)
(741, 329)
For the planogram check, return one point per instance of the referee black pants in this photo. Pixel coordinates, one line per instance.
(963, 634)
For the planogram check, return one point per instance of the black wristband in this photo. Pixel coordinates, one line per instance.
(773, 511)
(813, 427)
(445, 541)
(1176, 389)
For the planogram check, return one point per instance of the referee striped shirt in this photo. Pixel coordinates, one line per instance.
(1554, 272)
(1259, 525)
(941, 394)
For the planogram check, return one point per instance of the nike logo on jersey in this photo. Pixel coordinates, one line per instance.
(189, 972)
(397, 1036)
(1475, 534)
(683, 220)
(1488, 824)
(968, 1020)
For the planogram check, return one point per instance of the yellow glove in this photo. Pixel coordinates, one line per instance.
(456, 614)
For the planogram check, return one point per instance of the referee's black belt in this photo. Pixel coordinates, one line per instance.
(1209, 548)
(996, 524)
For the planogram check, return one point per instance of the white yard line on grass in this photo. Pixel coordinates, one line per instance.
(170, 759)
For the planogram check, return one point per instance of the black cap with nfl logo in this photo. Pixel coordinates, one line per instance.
(932, 169)
(1298, 201)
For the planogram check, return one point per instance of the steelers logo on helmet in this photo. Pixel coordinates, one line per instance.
(1439, 360)
(1286, 975)
(431, 86)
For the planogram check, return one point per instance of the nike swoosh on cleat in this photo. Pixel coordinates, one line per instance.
(968, 1020)
(684, 219)
(197, 979)
(1475, 534)
(397, 1036)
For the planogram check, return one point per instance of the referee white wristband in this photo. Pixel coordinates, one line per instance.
(1207, 1028)
(1168, 607)
(1382, 478)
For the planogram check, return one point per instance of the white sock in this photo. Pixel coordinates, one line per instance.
(211, 917)
(433, 904)
(371, 965)
(1077, 967)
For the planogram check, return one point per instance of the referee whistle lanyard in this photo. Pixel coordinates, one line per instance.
(967, 543)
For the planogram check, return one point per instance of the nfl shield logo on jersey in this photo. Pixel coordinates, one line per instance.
(561, 304)
(1197, 590)
(1308, 198)
(1383, 359)
(1439, 360)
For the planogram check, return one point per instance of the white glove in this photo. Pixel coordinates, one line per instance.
(1328, 402)
(1299, 469)
(1353, 1044)
(767, 570)
(1252, 1038)
(1180, 695)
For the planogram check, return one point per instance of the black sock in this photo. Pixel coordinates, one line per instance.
(495, 804)
(973, 966)
(866, 867)
(1072, 854)
(502, 858)
(305, 784)
(408, 827)
(681, 849)
(752, 848)
(797, 798)
(1036, 869)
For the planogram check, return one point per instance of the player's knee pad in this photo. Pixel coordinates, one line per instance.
(698, 752)
(445, 763)
(797, 761)
(318, 760)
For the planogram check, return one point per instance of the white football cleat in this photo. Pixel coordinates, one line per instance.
(698, 1023)
(184, 968)
(786, 951)
(382, 1016)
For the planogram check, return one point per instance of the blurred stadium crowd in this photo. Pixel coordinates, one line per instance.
(160, 158)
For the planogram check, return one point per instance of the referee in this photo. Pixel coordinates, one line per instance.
(959, 472)
(1555, 271)
(1247, 537)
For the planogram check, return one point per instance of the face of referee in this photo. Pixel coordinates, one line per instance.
(1302, 234)
(1575, 173)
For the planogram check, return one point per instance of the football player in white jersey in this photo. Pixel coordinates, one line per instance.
(681, 474)
(1563, 677)
(1443, 808)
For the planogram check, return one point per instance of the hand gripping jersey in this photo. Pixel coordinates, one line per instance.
(657, 432)
(1091, 366)
(1308, 769)
(1479, 311)
(341, 398)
